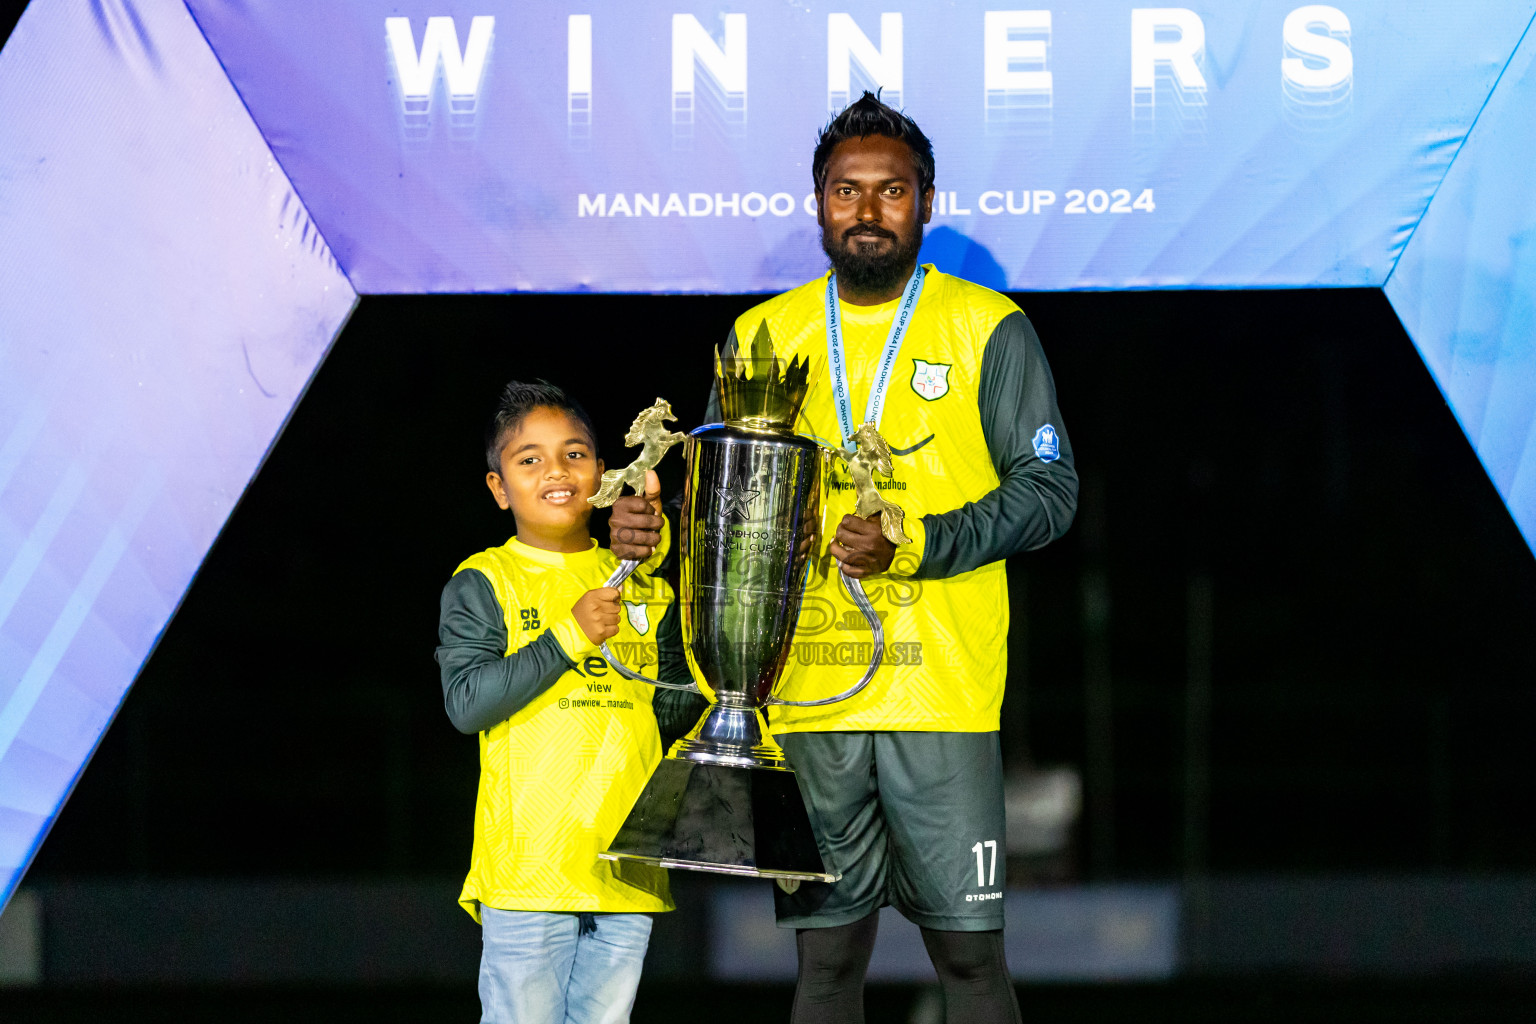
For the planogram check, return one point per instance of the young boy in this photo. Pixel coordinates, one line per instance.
(566, 744)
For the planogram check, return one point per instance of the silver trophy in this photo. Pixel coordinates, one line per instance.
(722, 799)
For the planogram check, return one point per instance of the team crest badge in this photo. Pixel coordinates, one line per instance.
(637, 616)
(930, 380)
(1047, 447)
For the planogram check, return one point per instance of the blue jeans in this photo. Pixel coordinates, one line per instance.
(535, 968)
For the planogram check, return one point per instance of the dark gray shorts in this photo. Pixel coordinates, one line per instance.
(911, 819)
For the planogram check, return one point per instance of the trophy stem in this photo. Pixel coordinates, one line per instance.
(731, 732)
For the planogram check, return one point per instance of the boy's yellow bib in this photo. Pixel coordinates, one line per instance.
(558, 777)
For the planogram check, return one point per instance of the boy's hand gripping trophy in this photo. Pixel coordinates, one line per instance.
(723, 800)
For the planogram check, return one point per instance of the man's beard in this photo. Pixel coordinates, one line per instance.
(874, 273)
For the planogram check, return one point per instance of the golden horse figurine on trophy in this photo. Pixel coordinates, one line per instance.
(871, 455)
(647, 430)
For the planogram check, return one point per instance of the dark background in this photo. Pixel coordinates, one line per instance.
(1283, 635)
(1288, 636)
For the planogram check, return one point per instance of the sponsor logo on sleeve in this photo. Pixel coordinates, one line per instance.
(1047, 447)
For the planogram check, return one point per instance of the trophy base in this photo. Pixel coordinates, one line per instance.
(724, 819)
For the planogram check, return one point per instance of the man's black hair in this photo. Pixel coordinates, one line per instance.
(867, 116)
(516, 402)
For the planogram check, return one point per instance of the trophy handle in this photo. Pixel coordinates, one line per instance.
(855, 590)
(622, 573)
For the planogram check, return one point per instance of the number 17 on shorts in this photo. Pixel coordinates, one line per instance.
(986, 870)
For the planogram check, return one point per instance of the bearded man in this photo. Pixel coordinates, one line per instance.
(904, 782)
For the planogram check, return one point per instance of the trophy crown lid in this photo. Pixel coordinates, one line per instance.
(757, 390)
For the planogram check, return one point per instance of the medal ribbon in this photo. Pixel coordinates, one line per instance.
(839, 369)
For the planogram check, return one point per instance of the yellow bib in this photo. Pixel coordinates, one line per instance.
(946, 640)
(558, 777)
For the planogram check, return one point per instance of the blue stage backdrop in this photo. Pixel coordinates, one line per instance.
(452, 146)
(166, 293)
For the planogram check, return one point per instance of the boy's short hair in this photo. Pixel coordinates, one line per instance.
(517, 400)
(868, 116)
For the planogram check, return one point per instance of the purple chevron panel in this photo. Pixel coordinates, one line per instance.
(164, 299)
(1466, 288)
